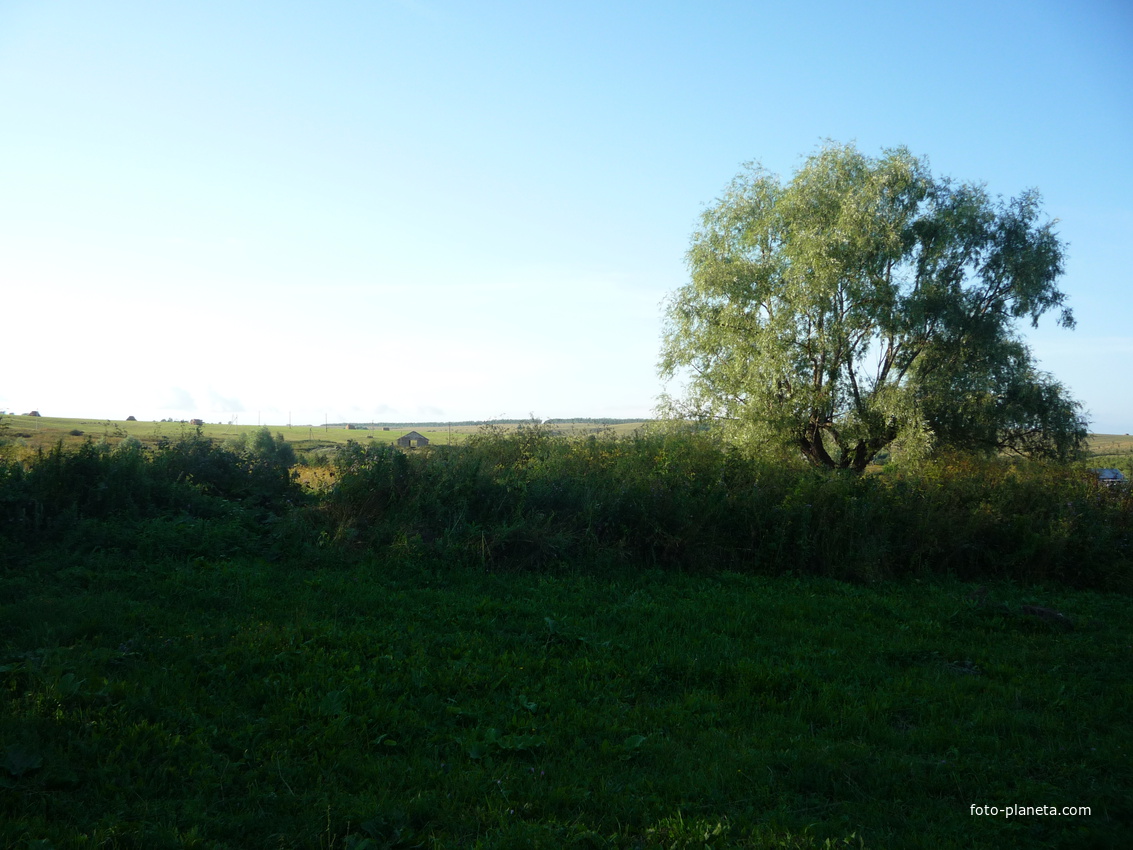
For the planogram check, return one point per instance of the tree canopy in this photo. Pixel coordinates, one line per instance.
(865, 304)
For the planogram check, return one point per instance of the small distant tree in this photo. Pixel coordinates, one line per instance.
(274, 450)
(865, 304)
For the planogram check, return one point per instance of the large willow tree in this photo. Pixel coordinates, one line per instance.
(865, 303)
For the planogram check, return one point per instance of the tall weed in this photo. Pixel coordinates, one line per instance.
(46, 497)
(679, 500)
(531, 500)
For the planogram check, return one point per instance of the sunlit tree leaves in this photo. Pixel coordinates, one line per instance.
(864, 304)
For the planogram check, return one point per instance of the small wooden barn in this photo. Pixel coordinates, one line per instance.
(412, 440)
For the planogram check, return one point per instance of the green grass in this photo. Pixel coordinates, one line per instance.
(399, 702)
(32, 432)
(533, 642)
(1112, 451)
(1108, 444)
(46, 431)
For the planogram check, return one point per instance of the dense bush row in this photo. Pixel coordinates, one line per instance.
(678, 500)
(530, 500)
(98, 495)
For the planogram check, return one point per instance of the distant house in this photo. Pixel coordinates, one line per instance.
(412, 440)
(131, 419)
(1109, 476)
(196, 422)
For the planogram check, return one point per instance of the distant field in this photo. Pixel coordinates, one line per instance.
(42, 431)
(1110, 444)
(1114, 451)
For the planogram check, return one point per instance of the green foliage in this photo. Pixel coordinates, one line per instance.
(260, 475)
(60, 492)
(671, 499)
(529, 500)
(864, 304)
(5, 435)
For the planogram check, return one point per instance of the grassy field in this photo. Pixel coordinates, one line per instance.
(530, 642)
(1112, 450)
(45, 431)
(1103, 444)
(383, 703)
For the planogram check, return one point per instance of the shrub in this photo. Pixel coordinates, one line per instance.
(679, 500)
(532, 500)
(57, 489)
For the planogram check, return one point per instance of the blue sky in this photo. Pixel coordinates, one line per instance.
(427, 210)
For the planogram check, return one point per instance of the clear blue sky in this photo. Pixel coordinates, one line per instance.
(427, 209)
